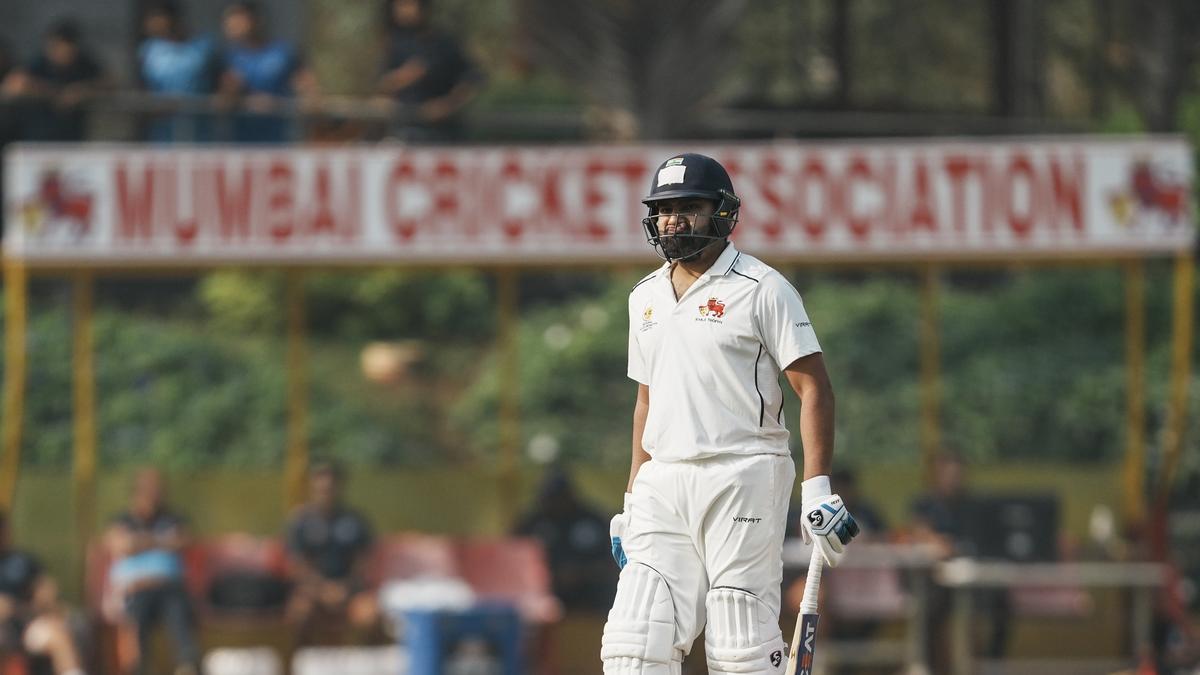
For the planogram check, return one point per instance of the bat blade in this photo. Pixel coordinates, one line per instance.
(805, 647)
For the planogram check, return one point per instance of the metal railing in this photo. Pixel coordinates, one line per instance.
(127, 115)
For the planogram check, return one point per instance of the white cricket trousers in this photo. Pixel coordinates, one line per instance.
(710, 524)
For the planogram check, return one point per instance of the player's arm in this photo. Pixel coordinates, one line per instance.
(810, 381)
(640, 410)
(620, 522)
(826, 518)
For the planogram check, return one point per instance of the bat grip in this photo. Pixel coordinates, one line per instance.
(812, 586)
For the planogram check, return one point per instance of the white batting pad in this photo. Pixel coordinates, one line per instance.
(639, 637)
(742, 635)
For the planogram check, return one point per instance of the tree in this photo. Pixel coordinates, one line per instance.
(650, 67)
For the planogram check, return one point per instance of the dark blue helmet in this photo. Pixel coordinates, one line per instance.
(696, 176)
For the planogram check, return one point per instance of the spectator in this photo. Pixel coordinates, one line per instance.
(147, 542)
(427, 72)
(172, 63)
(59, 80)
(575, 537)
(328, 546)
(262, 72)
(940, 518)
(32, 619)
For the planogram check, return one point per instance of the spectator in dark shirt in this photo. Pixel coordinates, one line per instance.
(147, 543)
(426, 71)
(32, 619)
(941, 519)
(262, 72)
(172, 63)
(328, 545)
(576, 541)
(59, 81)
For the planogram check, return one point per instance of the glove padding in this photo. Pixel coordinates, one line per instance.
(616, 531)
(829, 527)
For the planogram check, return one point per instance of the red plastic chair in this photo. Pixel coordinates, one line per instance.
(242, 552)
(411, 555)
(514, 570)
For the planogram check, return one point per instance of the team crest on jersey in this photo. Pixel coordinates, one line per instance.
(714, 308)
(648, 318)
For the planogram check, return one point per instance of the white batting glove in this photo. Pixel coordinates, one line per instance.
(827, 524)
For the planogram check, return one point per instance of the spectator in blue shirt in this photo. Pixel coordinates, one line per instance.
(174, 64)
(262, 72)
(147, 543)
(427, 71)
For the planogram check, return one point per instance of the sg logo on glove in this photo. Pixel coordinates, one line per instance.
(829, 526)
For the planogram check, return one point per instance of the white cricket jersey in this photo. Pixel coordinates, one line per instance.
(712, 360)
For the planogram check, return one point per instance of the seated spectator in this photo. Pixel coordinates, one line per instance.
(61, 79)
(146, 542)
(328, 546)
(172, 63)
(940, 518)
(575, 537)
(32, 619)
(262, 73)
(426, 71)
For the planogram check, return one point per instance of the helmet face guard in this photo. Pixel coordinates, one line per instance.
(684, 246)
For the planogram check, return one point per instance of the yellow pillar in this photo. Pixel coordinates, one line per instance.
(507, 301)
(16, 298)
(1135, 393)
(296, 461)
(84, 394)
(1181, 366)
(930, 383)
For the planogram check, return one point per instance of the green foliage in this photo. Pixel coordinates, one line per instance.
(1032, 368)
(574, 393)
(378, 304)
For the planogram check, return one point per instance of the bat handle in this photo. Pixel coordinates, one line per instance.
(812, 586)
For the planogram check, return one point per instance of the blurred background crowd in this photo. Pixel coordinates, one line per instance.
(406, 367)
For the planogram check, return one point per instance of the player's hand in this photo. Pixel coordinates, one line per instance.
(827, 524)
(616, 530)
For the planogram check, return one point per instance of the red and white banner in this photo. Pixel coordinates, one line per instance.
(562, 204)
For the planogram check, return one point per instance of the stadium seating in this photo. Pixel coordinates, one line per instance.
(511, 570)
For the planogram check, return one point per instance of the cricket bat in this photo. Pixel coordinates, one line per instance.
(804, 640)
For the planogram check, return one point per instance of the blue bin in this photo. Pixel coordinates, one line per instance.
(432, 635)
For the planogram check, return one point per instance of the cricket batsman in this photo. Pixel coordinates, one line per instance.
(700, 539)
